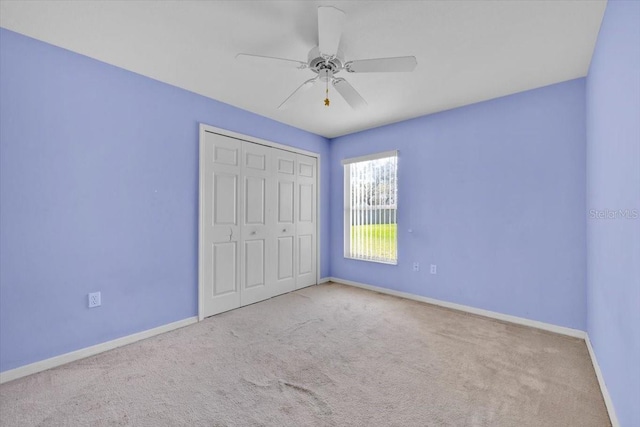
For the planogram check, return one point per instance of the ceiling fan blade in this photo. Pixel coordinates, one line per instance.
(270, 61)
(296, 93)
(349, 94)
(330, 26)
(382, 65)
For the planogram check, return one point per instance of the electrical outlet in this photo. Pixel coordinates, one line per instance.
(95, 300)
(416, 266)
(434, 269)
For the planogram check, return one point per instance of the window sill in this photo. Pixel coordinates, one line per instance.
(373, 260)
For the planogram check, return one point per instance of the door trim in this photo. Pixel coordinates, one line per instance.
(204, 128)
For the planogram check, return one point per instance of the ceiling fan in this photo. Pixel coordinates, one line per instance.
(326, 60)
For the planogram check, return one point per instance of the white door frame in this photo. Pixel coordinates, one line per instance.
(212, 129)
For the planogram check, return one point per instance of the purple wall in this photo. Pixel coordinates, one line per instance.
(99, 191)
(613, 183)
(495, 195)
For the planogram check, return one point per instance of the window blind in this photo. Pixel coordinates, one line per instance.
(371, 195)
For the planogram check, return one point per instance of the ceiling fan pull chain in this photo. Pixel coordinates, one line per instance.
(326, 100)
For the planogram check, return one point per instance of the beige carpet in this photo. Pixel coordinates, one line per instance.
(328, 355)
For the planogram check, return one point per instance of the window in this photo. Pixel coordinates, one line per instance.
(370, 207)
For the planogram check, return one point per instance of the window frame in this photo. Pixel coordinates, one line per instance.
(347, 203)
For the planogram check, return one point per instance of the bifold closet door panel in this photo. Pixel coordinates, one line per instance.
(258, 222)
(258, 238)
(306, 221)
(284, 279)
(222, 200)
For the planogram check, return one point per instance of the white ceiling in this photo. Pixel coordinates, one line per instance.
(467, 51)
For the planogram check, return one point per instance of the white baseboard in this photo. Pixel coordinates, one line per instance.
(576, 333)
(62, 359)
(603, 387)
(324, 280)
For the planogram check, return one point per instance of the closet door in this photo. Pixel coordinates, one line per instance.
(222, 204)
(284, 221)
(258, 238)
(306, 221)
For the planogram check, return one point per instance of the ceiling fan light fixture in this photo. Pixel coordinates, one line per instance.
(325, 75)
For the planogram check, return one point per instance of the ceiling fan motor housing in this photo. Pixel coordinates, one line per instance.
(318, 63)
